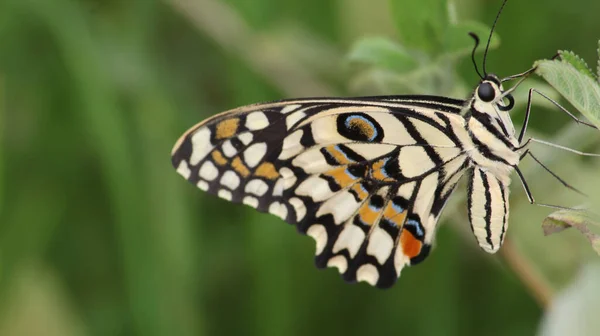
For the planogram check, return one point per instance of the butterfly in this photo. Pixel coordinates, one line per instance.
(366, 177)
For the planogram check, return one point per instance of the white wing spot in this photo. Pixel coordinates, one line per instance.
(228, 149)
(255, 153)
(256, 187)
(230, 180)
(312, 161)
(203, 185)
(406, 190)
(256, 121)
(251, 201)
(225, 194)
(400, 259)
(201, 146)
(279, 210)
(319, 234)
(314, 187)
(341, 206)
(293, 118)
(184, 170)
(278, 188)
(290, 108)
(380, 245)
(291, 145)
(208, 171)
(338, 262)
(367, 273)
(246, 138)
(350, 238)
(288, 177)
(299, 207)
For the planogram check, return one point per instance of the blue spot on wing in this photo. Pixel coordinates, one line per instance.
(397, 207)
(349, 173)
(416, 225)
(339, 149)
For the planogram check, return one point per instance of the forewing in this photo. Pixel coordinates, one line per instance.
(367, 179)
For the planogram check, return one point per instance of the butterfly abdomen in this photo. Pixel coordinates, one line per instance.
(487, 198)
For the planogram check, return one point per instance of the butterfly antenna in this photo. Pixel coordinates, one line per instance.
(487, 47)
(476, 38)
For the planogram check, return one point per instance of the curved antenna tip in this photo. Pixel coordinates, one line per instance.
(476, 38)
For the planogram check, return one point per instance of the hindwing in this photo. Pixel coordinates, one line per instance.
(367, 178)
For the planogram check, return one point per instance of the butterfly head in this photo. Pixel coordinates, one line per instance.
(490, 91)
(491, 104)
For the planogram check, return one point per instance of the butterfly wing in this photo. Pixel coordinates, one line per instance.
(366, 178)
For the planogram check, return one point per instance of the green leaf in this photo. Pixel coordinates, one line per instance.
(577, 62)
(421, 24)
(382, 53)
(580, 90)
(458, 42)
(580, 220)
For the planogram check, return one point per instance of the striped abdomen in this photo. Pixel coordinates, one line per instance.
(488, 208)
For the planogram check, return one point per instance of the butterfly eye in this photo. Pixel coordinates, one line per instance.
(486, 92)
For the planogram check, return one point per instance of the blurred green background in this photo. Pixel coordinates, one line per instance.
(100, 236)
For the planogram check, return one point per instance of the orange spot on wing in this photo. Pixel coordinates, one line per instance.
(342, 178)
(267, 170)
(240, 167)
(394, 216)
(367, 215)
(377, 171)
(411, 246)
(338, 155)
(360, 191)
(218, 157)
(227, 128)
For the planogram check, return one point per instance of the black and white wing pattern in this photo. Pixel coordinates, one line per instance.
(367, 178)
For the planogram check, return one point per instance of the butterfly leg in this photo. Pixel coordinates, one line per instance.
(528, 112)
(532, 200)
(525, 144)
(563, 182)
(543, 142)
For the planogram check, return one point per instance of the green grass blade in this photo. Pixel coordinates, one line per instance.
(2, 134)
(106, 126)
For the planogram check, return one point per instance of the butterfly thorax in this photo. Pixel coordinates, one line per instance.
(491, 130)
